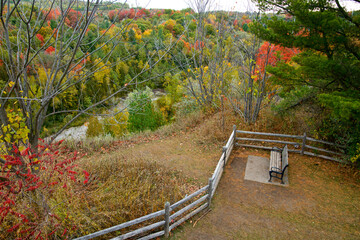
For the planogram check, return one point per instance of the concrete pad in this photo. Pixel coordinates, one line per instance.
(257, 169)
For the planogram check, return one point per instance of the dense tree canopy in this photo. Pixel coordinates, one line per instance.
(328, 69)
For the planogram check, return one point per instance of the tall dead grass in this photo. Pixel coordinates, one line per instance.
(123, 188)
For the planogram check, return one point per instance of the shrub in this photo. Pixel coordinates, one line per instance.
(116, 126)
(36, 187)
(166, 107)
(186, 106)
(142, 114)
(95, 128)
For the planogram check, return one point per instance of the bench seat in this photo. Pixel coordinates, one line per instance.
(278, 163)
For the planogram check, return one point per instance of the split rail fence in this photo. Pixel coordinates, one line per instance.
(172, 215)
(298, 144)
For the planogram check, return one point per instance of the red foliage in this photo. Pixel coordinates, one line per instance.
(41, 38)
(127, 13)
(43, 173)
(112, 14)
(72, 18)
(52, 14)
(276, 53)
(50, 50)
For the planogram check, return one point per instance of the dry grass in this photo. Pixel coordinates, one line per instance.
(124, 188)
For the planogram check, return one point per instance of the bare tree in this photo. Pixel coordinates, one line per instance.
(224, 63)
(251, 88)
(205, 64)
(34, 78)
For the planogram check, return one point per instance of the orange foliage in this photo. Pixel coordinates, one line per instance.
(186, 44)
(198, 45)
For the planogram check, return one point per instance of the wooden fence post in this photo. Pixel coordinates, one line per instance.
(167, 219)
(234, 127)
(210, 191)
(303, 144)
(224, 151)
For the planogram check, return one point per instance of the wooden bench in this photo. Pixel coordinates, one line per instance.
(278, 163)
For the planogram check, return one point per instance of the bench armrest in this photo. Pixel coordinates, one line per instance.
(276, 169)
(276, 149)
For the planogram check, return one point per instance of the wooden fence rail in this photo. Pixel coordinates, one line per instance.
(302, 142)
(199, 200)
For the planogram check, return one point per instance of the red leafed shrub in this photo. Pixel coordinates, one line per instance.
(112, 15)
(33, 192)
(127, 14)
(198, 45)
(50, 50)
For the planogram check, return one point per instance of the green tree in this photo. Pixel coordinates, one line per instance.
(142, 114)
(329, 64)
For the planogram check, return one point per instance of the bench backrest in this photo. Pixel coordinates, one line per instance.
(284, 158)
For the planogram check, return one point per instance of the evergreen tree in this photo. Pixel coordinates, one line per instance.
(329, 65)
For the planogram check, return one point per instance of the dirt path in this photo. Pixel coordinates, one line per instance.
(322, 202)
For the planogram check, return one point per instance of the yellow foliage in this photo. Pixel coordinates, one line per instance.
(95, 128)
(102, 75)
(43, 76)
(15, 131)
(138, 36)
(117, 126)
(46, 31)
(147, 32)
(113, 31)
(357, 154)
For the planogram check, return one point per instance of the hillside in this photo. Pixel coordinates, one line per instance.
(92, 68)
